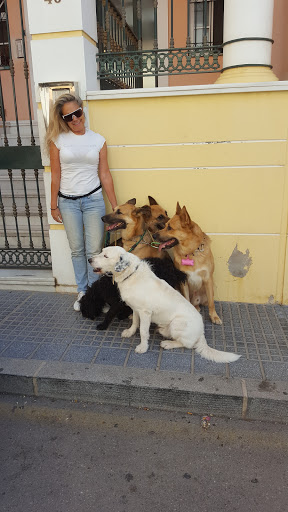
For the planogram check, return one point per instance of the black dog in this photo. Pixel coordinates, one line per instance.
(100, 293)
(104, 292)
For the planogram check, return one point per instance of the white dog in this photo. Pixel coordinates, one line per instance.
(153, 300)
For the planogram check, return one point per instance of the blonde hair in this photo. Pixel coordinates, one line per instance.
(57, 124)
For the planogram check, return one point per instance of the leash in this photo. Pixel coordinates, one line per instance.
(153, 244)
(107, 238)
(137, 243)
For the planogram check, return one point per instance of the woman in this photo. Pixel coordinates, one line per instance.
(79, 170)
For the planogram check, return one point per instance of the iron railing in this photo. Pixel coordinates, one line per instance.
(123, 61)
(23, 241)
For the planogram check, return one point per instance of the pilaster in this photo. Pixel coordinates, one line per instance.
(63, 52)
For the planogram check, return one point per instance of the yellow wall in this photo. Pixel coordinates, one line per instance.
(224, 156)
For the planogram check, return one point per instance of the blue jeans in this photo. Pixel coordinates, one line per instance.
(84, 229)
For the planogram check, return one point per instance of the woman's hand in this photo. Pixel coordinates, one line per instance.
(56, 215)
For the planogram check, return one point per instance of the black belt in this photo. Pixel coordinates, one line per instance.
(79, 197)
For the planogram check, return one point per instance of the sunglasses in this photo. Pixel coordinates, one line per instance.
(69, 117)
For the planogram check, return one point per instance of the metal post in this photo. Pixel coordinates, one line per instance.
(26, 74)
(107, 26)
(27, 208)
(40, 209)
(2, 112)
(2, 211)
(188, 39)
(139, 24)
(205, 10)
(14, 209)
(124, 25)
(172, 35)
(12, 73)
(155, 46)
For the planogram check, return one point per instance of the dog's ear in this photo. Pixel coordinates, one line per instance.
(152, 201)
(145, 211)
(131, 201)
(184, 217)
(122, 263)
(178, 208)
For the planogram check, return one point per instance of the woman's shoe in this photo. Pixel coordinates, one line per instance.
(77, 302)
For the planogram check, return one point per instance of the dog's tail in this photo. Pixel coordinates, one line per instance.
(218, 356)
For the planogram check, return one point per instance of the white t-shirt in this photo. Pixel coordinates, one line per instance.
(79, 159)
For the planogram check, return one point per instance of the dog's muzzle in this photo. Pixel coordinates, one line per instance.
(113, 223)
(168, 243)
(97, 270)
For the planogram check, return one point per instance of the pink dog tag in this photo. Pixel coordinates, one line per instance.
(187, 261)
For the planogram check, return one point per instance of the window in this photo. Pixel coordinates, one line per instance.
(206, 22)
(4, 43)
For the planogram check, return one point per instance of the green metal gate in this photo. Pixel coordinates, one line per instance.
(24, 239)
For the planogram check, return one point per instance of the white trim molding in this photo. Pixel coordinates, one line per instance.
(188, 90)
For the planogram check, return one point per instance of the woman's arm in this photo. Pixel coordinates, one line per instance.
(105, 176)
(55, 181)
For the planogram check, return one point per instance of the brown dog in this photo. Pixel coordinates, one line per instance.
(137, 225)
(192, 255)
(156, 217)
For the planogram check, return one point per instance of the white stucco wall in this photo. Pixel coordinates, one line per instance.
(63, 49)
(66, 15)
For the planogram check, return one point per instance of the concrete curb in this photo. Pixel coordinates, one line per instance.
(202, 394)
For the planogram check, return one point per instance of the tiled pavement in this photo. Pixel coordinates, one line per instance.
(44, 327)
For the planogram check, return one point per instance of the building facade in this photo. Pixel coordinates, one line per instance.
(190, 97)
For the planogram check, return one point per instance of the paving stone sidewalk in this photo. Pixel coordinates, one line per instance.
(39, 326)
(44, 326)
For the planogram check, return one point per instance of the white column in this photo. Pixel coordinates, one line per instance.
(63, 49)
(247, 40)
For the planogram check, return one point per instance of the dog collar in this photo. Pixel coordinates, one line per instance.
(189, 261)
(152, 243)
(200, 248)
(130, 274)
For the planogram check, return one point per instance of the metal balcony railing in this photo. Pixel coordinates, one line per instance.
(124, 58)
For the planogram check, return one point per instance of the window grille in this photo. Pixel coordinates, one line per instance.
(206, 22)
(4, 41)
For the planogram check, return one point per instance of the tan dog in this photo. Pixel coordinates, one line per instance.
(192, 255)
(137, 225)
(156, 216)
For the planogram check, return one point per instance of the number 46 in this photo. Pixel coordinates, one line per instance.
(50, 1)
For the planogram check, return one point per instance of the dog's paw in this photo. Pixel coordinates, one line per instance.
(165, 344)
(127, 333)
(215, 319)
(140, 349)
(102, 326)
